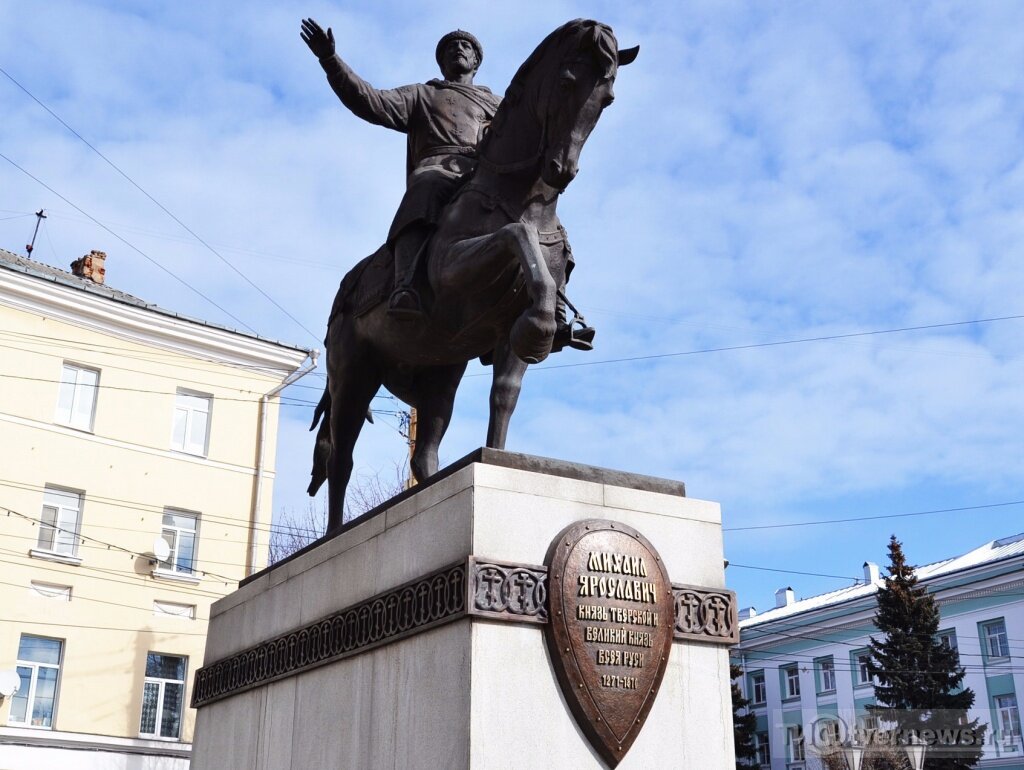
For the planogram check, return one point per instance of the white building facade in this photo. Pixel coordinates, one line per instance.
(804, 662)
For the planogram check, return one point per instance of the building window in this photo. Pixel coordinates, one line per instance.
(1009, 718)
(826, 732)
(60, 521)
(180, 530)
(867, 729)
(759, 693)
(827, 673)
(863, 670)
(996, 643)
(948, 640)
(76, 399)
(191, 423)
(162, 696)
(39, 670)
(792, 674)
(762, 750)
(795, 743)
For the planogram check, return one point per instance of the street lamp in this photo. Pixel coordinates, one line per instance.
(854, 755)
(915, 752)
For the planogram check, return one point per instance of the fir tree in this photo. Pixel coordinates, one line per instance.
(919, 679)
(743, 725)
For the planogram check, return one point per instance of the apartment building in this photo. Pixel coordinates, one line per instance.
(805, 661)
(136, 477)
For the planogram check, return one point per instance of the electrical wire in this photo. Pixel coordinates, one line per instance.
(772, 344)
(795, 572)
(130, 245)
(818, 522)
(103, 573)
(113, 546)
(159, 205)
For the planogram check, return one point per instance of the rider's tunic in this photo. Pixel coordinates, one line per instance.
(444, 122)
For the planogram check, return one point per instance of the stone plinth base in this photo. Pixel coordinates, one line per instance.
(442, 687)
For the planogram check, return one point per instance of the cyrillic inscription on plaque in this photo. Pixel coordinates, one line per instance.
(610, 632)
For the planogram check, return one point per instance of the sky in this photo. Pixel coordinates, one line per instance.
(778, 191)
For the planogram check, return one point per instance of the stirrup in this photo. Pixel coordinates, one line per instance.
(566, 336)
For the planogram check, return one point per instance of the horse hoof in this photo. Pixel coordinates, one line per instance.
(531, 338)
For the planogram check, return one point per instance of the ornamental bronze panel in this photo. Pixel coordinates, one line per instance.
(419, 605)
(611, 613)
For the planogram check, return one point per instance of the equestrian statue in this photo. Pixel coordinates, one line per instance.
(476, 261)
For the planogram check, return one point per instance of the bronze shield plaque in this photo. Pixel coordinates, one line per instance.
(610, 631)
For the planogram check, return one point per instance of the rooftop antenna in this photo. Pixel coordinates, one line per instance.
(40, 216)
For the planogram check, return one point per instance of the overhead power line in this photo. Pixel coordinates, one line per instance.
(130, 245)
(795, 572)
(776, 343)
(161, 206)
(819, 522)
(112, 546)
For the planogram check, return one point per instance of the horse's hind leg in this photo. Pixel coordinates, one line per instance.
(436, 389)
(508, 381)
(353, 383)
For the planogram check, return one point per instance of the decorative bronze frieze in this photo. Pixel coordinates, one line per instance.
(705, 615)
(487, 589)
(517, 593)
(611, 626)
(409, 609)
(505, 591)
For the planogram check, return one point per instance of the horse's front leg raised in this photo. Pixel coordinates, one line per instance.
(508, 380)
(533, 331)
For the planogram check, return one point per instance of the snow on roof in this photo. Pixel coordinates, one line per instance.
(992, 551)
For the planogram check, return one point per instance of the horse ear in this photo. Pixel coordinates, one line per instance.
(628, 55)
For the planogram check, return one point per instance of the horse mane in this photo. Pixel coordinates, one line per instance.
(583, 35)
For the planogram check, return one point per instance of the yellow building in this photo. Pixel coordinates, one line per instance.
(136, 478)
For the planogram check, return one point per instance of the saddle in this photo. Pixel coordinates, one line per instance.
(366, 285)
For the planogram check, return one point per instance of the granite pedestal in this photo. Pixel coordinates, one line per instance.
(467, 692)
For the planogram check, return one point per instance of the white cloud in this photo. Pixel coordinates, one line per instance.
(767, 172)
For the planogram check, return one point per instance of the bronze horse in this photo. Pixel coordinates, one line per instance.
(493, 268)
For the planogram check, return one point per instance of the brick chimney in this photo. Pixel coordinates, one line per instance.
(91, 266)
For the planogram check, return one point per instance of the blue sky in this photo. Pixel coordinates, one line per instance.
(768, 172)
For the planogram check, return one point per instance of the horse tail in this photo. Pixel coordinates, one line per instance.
(322, 448)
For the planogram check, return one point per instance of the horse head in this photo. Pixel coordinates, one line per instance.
(567, 82)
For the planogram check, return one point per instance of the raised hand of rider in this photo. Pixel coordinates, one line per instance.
(320, 43)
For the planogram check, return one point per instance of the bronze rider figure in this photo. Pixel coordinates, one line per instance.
(444, 121)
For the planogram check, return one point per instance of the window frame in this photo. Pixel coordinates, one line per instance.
(58, 525)
(78, 391)
(758, 682)
(170, 565)
(186, 447)
(826, 668)
(763, 749)
(1001, 638)
(162, 683)
(34, 681)
(861, 671)
(791, 675)
(1008, 713)
(795, 750)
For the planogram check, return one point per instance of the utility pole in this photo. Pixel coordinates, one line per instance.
(411, 481)
(40, 216)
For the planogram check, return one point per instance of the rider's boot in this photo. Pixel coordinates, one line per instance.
(404, 302)
(566, 335)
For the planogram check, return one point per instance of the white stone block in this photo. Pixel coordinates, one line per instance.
(470, 693)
